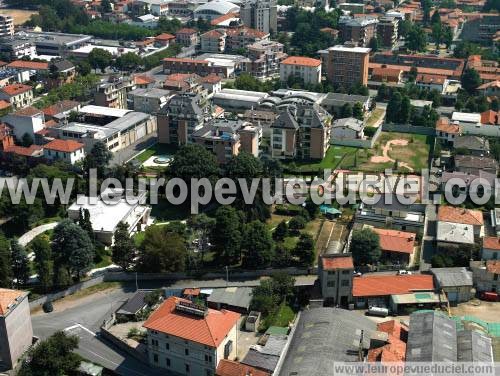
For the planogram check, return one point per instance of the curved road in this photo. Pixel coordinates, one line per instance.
(33, 233)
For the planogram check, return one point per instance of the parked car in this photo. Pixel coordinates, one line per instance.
(378, 311)
(404, 272)
(490, 296)
(47, 307)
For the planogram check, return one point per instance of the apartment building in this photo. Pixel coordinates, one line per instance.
(113, 92)
(17, 48)
(346, 65)
(302, 131)
(28, 120)
(200, 67)
(18, 95)
(304, 68)
(189, 339)
(187, 37)
(241, 37)
(180, 118)
(264, 58)
(335, 273)
(149, 101)
(260, 15)
(6, 26)
(213, 41)
(358, 30)
(16, 332)
(227, 138)
(387, 31)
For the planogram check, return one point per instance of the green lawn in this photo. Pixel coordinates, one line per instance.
(374, 117)
(281, 318)
(156, 149)
(331, 160)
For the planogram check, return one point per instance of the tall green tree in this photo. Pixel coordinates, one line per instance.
(54, 356)
(394, 107)
(20, 263)
(365, 247)
(128, 62)
(40, 246)
(100, 59)
(99, 158)
(404, 111)
(5, 263)
(346, 111)
(123, 248)
(227, 234)
(281, 231)
(202, 226)
(162, 251)
(470, 80)
(257, 245)
(416, 39)
(357, 111)
(304, 250)
(85, 223)
(106, 6)
(194, 161)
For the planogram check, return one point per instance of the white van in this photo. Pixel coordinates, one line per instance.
(378, 311)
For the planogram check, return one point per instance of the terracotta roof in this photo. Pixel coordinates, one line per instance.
(209, 330)
(430, 79)
(301, 60)
(393, 328)
(444, 125)
(332, 263)
(454, 214)
(35, 65)
(386, 72)
(490, 117)
(65, 146)
(247, 32)
(487, 85)
(8, 297)
(232, 368)
(213, 34)
(396, 241)
(28, 111)
(4, 104)
(29, 151)
(186, 30)
(143, 79)
(191, 292)
(223, 18)
(12, 90)
(491, 242)
(493, 266)
(59, 107)
(165, 36)
(384, 285)
(211, 79)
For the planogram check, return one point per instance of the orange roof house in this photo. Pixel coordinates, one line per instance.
(165, 37)
(64, 146)
(302, 61)
(15, 89)
(493, 266)
(231, 368)
(209, 330)
(396, 241)
(455, 214)
(7, 297)
(26, 64)
(334, 263)
(490, 117)
(443, 125)
(491, 243)
(383, 74)
(385, 285)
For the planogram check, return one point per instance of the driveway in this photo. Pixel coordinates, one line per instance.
(33, 233)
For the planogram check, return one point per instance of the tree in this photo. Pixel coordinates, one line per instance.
(491, 5)
(40, 246)
(394, 107)
(297, 223)
(128, 62)
(412, 75)
(162, 251)
(426, 8)
(99, 58)
(5, 263)
(405, 110)
(194, 161)
(106, 6)
(304, 250)
(346, 111)
(124, 248)
(374, 44)
(271, 292)
(281, 231)
(437, 32)
(54, 356)
(357, 111)
(20, 263)
(447, 36)
(365, 247)
(417, 39)
(257, 244)
(85, 223)
(470, 80)
(201, 225)
(27, 140)
(72, 249)
(98, 158)
(227, 234)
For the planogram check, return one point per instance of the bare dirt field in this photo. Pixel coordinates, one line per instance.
(487, 311)
(20, 15)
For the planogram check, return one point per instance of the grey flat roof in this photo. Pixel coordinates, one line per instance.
(134, 304)
(473, 346)
(127, 121)
(432, 338)
(259, 360)
(452, 277)
(323, 336)
(46, 37)
(232, 296)
(84, 128)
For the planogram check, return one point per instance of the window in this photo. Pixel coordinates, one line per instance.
(330, 284)
(208, 372)
(186, 352)
(344, 283)
(345, 272)
(167, 346)
(154, 342)
(155, 358)
(208, 358)
(167, 362)
(187, 368)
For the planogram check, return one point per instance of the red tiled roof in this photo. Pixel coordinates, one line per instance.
(384, 285)
(247, 32)
(27, 111)
(209, 330)
(232, 368)
(454, 214)
(15, 89)
(29, 151)
(223, 18)
(386, 72)
(62, 106)
(143, 79)
(491, 242)
(65, 146)
(186, 30)
(430, 79)
(4, 104)
(393, 328)
(211, 79)
(34, 65)
(396, 241)
(332, 263)
(301, 60)
(487, 85)
(213, 34)
(165, 36)
(444, 125)
(493, 266)
(7, 297)
(191, 292)
(490, 117)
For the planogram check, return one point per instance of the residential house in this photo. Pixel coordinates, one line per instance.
(387, 75)
(305, 69)
(302, 131)
(491, 88)
(397, 246)
(474, 165)
(187, 37)
(28, 120)
(164, 39)
(213, 41)
(149, 101)
(347, 129)
(142, 81)
(455, 282)
(232, 368)
(134, 307)
(447, 131)
(335, 274)
(16, 332)
(486, 275)
(190, 339)
(17, 48)
(490, 117)
(431, 82)
(200, 67)
(462, 216)
(67, 150)
(113, 92)
(475, 145)
(61, 71)
(6, 26)
(452, 234)
(466, 118)
(359, 30)
(236, 299)
(18, 95)
(260, 15)
(333, 102)
(241, 36)
(491, 248)
(387, 31)
(60, 110)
